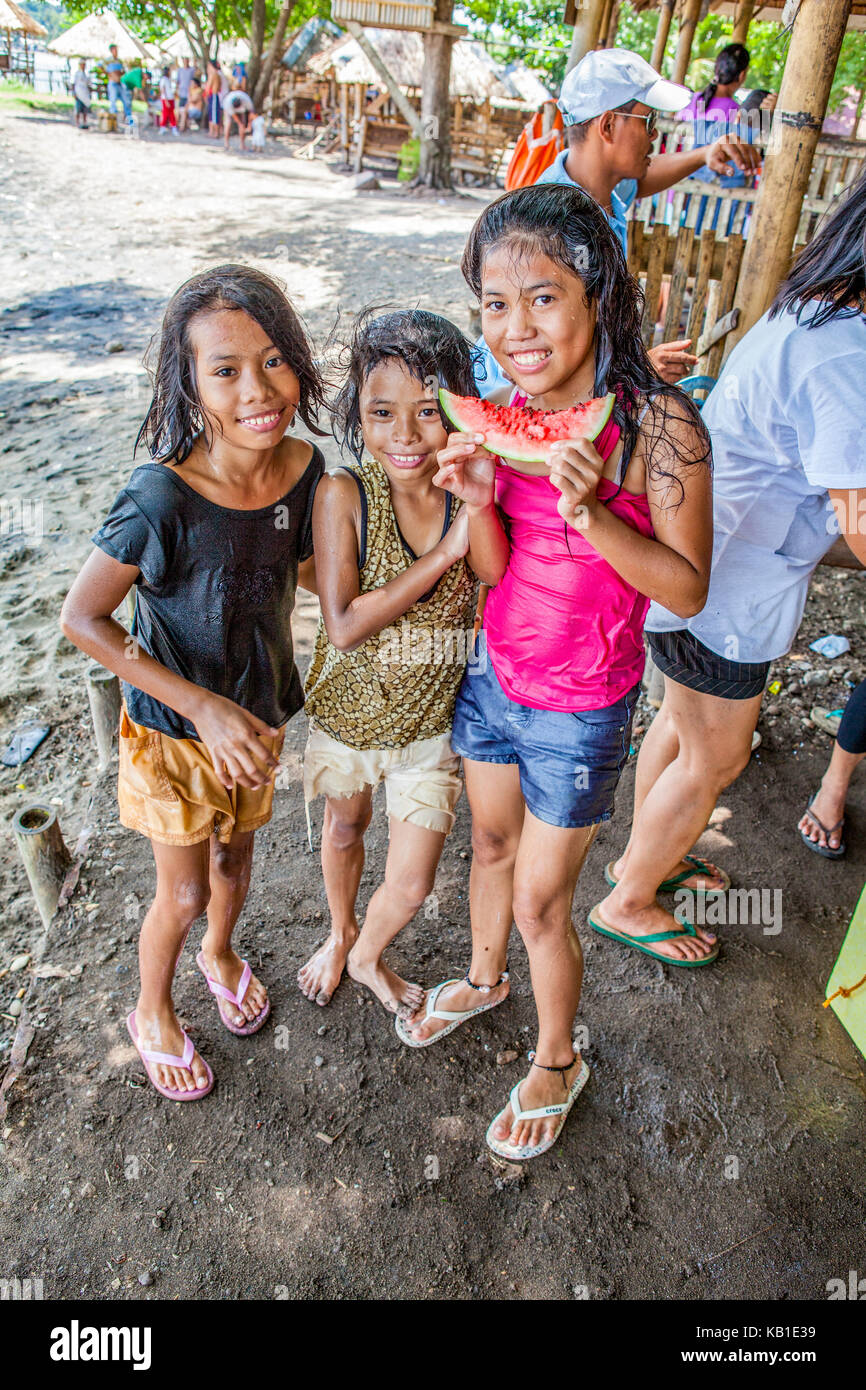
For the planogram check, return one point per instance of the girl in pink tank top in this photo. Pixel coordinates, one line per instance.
(544, 712)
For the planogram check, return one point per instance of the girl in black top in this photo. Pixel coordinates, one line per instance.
(215, 535)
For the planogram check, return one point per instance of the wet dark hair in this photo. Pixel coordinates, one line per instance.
(428, 345)
(731, 60)
(175, 417)
(569, 227)
(832, 267)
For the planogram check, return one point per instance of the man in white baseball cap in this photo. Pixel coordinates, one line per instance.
(609, 102)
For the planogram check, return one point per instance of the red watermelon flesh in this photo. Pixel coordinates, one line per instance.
(521, 433)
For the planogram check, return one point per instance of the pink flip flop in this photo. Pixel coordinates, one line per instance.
(165, 1059)
(224, 993)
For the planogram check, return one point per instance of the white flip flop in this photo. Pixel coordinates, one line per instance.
(517, 1153)
(453, 1019)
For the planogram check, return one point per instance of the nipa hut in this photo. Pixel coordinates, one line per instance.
(17, 21)
(490, 102)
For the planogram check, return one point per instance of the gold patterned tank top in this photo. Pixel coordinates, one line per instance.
(401, 684)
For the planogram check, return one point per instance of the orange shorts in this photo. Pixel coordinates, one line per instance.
(167, 789)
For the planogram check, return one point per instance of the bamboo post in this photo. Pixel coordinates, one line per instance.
(819, 28)
(604, 21)
(43, 853)
(586, 29)
(666, 14)
(612, 24)
(742, 20)
(103, 692)
(688, 24)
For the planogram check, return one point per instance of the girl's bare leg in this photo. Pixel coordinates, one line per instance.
(182, 894)
(498, 809)
(346, 820)
(548, 864)
(410, 871)
(660, 747)
(715, 738)
(230, 866)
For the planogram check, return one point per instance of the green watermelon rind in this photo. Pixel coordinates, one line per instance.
(504, 445)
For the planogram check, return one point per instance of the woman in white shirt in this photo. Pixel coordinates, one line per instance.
(789, 448)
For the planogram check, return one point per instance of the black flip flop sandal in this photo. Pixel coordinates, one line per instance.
(826, 850)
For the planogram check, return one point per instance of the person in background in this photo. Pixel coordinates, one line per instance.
(81, 93)
(194, 111)
(239, 73)
(212, 90)
(823, 822)
(713, 113)
(117, 92)
(238, 108)
(609, 103)
(134, 80)
(183, 81)
(167, 118)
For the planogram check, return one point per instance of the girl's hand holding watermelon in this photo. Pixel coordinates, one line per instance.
(467, 469)
(575, 470)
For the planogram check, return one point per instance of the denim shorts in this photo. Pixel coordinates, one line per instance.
(569, 764)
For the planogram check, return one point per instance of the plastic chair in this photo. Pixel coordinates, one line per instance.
(691, 384)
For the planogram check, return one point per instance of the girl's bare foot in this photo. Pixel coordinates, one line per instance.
(398, 996)
(318, 979)
(226, 968)
(161, 1032)
(647, 921)
(538, 1088)
(456, 998)
(715, 883)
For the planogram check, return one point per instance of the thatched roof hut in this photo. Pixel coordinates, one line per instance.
(17, 21)
(475, 76)
(92, 37)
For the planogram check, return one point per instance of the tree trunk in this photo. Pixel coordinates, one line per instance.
(585, 36)
(274, 54)
(613, 24)
(435, 164)
(257, 44)
(196, 39)
(816, 39)
(688, 24)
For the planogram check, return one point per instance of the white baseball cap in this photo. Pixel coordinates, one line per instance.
(610, 77)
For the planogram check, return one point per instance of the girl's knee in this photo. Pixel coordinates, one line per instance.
(346, 829)
(536, 916)
(187, 899)
(492, 847)
(411, 890)
(231, 863)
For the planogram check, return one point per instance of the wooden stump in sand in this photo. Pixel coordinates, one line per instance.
(44, 853)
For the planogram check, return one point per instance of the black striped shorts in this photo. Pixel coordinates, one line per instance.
(688, 662)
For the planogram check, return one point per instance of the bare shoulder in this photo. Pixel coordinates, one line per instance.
(672, 436)
(337, 494)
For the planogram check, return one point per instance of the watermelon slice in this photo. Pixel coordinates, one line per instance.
(521, 433)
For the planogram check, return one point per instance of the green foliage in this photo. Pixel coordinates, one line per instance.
(53, 17)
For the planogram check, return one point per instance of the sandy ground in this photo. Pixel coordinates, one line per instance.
(330, 1161)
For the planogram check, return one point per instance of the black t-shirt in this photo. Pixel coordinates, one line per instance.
(216, 590)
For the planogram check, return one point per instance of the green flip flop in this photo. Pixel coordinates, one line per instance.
(639, 943)
(698, 866)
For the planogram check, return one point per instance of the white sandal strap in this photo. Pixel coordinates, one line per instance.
(442, 1014)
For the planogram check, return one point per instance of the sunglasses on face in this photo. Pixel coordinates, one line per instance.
(650, 121)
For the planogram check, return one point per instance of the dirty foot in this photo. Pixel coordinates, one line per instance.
(455, 998)
(318, 979)
(226, 968)
(647, 921)
(161, 1032)
(398, 996)
(538, 1088)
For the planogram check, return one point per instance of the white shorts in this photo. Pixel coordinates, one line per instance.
(422, 780)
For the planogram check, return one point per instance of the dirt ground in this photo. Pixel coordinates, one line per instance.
(717, 1152)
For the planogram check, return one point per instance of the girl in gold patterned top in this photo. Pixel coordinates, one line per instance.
(397, 563)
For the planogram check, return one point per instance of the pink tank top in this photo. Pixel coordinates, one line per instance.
(564, 629)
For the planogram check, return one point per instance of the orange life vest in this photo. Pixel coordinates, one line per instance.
(535, 151)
